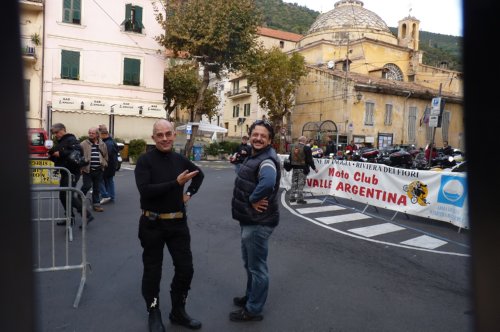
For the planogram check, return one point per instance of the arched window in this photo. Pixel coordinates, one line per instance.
(392, 72)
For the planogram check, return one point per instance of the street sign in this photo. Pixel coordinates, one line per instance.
(189, 129)
(436, 106)
(434, 121)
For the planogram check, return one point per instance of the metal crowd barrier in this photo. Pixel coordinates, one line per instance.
(47, 210)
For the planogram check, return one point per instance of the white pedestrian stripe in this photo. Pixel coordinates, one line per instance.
(309, 201)
(425, 241)
(325, 208)
(375, 230)
(343, 218)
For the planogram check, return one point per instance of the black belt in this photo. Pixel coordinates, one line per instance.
(170, 215)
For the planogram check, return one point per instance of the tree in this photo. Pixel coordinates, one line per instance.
(180, 87)
(276, 76)
(218, 34)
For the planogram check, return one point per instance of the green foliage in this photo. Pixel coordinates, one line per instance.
(83, 138)
(218, 33)
(136, 147)
(439, 48)
(276, 76)
(228, 146)
(286, 16)
(212, 149)
(181, 84)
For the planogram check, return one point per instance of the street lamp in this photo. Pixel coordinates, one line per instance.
(112, 120)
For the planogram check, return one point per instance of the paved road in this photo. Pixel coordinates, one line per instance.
(321, 280)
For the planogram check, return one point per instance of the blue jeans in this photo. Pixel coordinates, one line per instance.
(107, 187)
(254, 249)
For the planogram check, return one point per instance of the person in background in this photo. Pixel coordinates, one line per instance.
(430, 152)
(301, 160)
(240, 153)
(107, 185)
(96, 152)
(59, 153)
(447, 150)
(351, 147)
(160, 176)
(331, 149)
(255, 206)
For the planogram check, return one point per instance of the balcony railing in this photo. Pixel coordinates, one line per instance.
(236, 93)
(28, 49)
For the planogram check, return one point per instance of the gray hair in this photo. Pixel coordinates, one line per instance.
(57, 126)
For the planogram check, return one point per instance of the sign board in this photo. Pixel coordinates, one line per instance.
(434, 121)
(436, 106)
(44, 176)
(189, 129)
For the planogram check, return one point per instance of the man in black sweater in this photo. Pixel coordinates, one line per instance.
(160, 175)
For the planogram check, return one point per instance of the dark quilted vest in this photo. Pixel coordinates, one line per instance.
(244, 185)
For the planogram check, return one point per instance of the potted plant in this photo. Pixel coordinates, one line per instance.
(135, 148)
(35, 39)
(212, 151)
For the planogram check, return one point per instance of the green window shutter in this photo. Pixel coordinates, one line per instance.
(77, 10)
(128, 9)
(138, 17)
(27, 95)
(66, 11)
(131, 71)
(64, 64)
(70, 65)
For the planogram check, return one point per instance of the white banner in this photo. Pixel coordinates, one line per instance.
(435, 195)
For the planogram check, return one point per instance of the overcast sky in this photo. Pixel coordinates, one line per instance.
(438, 16)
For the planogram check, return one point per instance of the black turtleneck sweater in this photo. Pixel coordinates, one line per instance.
(156, 178)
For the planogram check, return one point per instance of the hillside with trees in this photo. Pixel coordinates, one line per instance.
(437, 47)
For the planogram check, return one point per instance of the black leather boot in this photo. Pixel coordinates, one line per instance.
(155, 322)
(178, 314)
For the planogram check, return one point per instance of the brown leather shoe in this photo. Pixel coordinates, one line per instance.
(98, 209)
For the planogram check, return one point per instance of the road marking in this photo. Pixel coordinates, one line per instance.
(332, 229)
(342, 218)
(324, 208)
(371, 231)
(309, 201)
(425, 241)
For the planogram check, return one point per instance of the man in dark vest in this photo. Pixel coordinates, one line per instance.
(255, 205)
(301, 160)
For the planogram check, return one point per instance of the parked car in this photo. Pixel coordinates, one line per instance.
(39, 143)
(119, 157)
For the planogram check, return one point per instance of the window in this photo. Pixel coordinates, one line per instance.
(282, 44)
(392, 72)
(27, 95)
(133, 18)
(384, 139)
(412, 125)
(236, 87)
(70, 65)
(246, 110)
(236, 111)
(72, 11)
(445, 125)
(131, 72)
(369, 109)
(388, 115)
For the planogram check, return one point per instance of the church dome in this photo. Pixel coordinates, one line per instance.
(349, 14)
(348, 22)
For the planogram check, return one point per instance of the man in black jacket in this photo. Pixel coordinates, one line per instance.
(160, 175)
(301, 160)
(240, 153)
(65, 144)
(255, 205)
